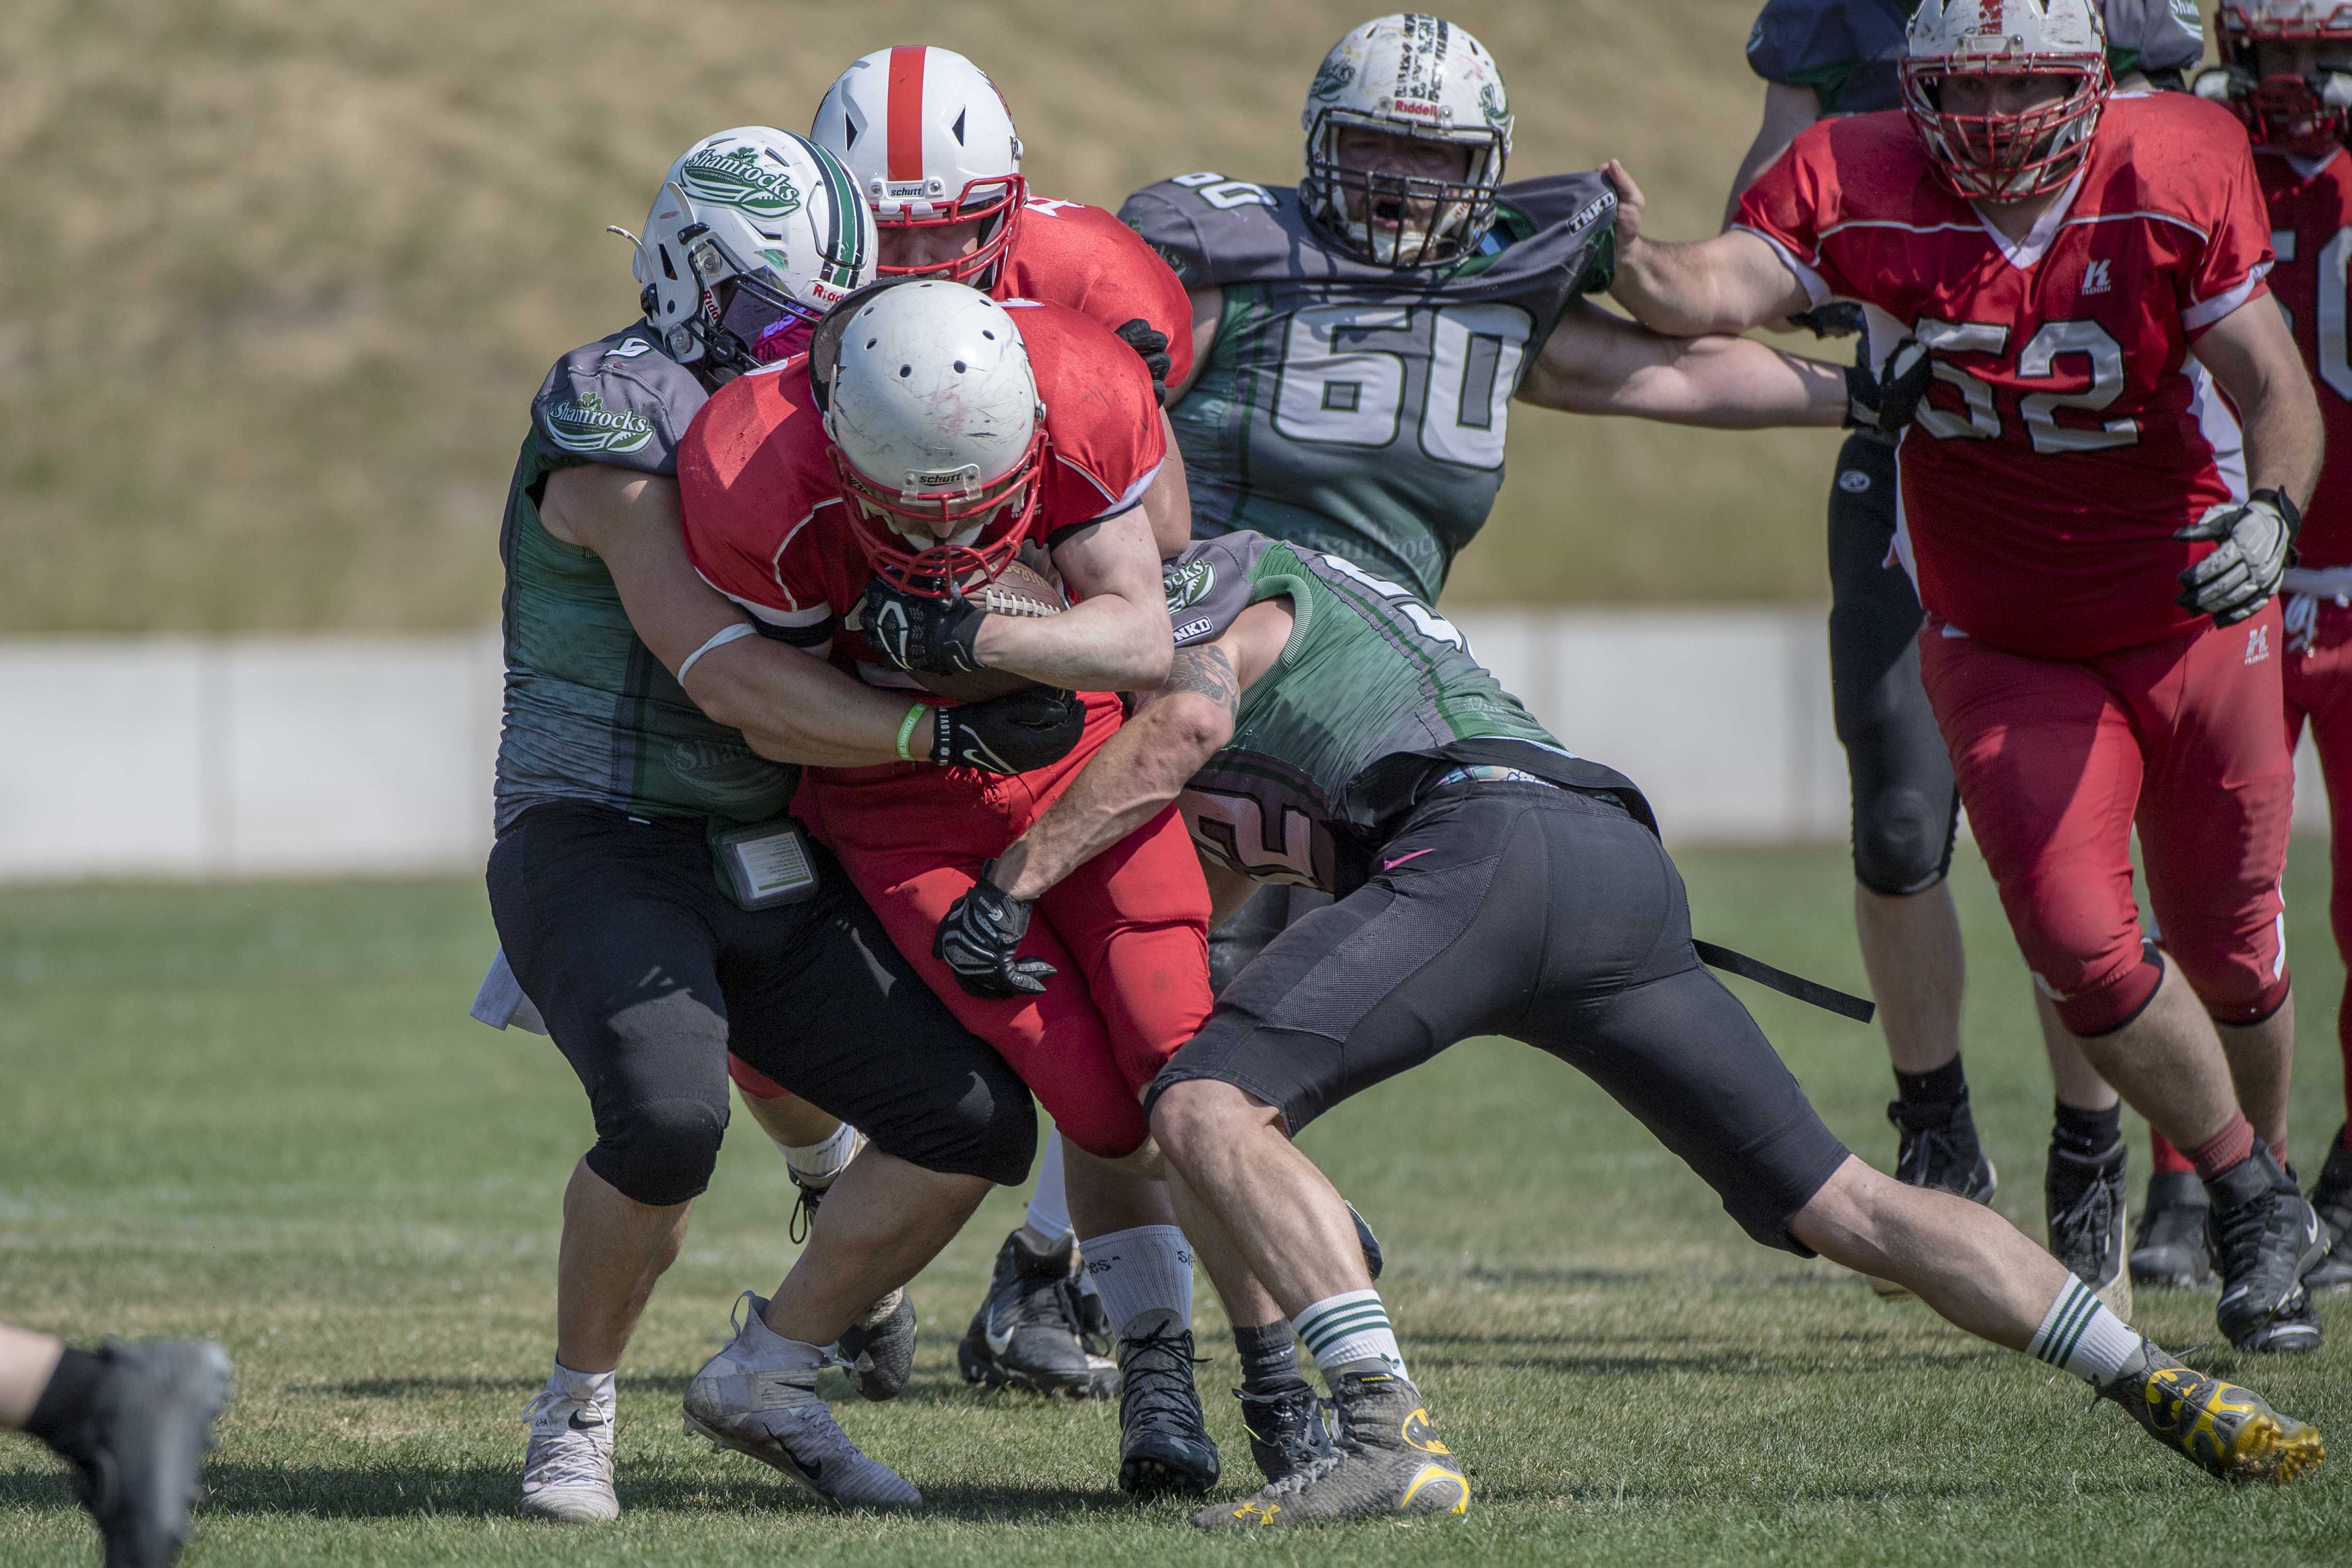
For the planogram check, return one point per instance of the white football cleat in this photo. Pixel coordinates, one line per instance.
(567, 1474)
(757, 1396)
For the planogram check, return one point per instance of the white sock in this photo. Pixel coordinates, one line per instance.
(820, 1164)
(591, 1388)
(2082, 1337)
(1352, 1326)
(1141, 1271)
(1048, 1220)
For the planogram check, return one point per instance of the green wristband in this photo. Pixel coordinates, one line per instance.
(906, 730)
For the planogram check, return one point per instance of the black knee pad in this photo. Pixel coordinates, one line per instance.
(660, 1152)
(1903, 840)
(1005, 1144)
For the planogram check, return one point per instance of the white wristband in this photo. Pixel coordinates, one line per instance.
(719, 639)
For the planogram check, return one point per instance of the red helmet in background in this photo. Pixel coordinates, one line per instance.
(2306, 115)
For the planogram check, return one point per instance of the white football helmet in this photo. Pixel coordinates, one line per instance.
(2001, 157)
(756, 232)
(1416, 76)
(2303, 115)
(929, 141)
(937, 431)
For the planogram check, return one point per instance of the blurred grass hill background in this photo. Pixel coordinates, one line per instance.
(282, 275)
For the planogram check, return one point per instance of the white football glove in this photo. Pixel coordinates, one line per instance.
(2257, 546)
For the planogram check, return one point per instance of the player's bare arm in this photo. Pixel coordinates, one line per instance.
(1147, 764)
(1787, 111)
(1599, 363)
(1208, 309)
(2252, 355)
(1727, 284)
(1116, 638)
(790, 706)
(1168, 504)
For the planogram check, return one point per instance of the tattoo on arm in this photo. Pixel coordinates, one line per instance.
(1206, 672)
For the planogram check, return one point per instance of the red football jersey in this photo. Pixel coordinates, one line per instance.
(2068, 434)
(2311, 230)
(766, 521)
(1083, 256)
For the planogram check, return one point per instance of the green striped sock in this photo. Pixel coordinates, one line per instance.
(1350, 1327)
(2078, 1334)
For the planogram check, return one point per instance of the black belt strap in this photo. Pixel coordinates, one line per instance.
(1826, 998)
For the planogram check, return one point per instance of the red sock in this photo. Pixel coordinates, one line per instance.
(2226, 1148)
(2167, 1160)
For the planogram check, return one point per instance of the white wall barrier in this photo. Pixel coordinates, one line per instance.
(309, 756)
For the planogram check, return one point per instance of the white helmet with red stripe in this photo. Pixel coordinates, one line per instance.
(929, 141)
(2002, 157)
(937, 431)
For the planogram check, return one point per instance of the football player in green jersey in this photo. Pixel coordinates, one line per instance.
(655, 905)
(1359, 340)
(1323, 726)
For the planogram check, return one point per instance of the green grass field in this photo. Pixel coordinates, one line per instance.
(260, 1113)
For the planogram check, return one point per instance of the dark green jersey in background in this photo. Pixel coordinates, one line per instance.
(590, 713)
(1374, 691)
(1353, 408)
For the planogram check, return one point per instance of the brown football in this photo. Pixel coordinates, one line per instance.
(1018, 590)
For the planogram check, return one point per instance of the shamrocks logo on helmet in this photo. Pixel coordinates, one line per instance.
(738, 179)
(1491, 102)
(1333, 80)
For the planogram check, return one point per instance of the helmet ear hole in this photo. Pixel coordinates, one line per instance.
(668, 270)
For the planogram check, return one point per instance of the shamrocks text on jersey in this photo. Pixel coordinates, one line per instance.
(590, 713)
(1348, 407)
(1372, 689)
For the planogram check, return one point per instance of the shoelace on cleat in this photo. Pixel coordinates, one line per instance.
(1927, 1153)
(571, 1457)
(2243, 1234)
(1158, 1376)
(2076, 1229)
(796, 1229)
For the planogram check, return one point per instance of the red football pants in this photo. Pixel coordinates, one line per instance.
(1127, 931)
(2318, 690)
(2058, 759)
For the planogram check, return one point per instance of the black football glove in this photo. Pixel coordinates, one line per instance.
(910, 632)
(1150, 345)
(1885, 400)
(2257, 537)
(980, 939)
(1012, 734)
(1837, 319)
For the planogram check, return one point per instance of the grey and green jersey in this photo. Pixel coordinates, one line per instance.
(1353, 408)
(590, 713)
(1372, 693)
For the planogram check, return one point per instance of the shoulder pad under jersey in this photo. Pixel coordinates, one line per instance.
(620, 401)
(1215, 231)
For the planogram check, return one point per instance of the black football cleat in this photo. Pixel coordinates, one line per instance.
(878, 1351)
(1164, 1447)
(1286, 1427)
(2083, 1197)
(2265, 1234)
(1387, 1463)
(1026, 1334)
(2331, 1199)
(2170, 1251)
(138, 1449)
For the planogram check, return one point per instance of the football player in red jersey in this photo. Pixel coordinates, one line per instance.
(935, 434)
(2099, 499)
(930, 143)
(2288, 77)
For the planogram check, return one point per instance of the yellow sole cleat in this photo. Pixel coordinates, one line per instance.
(2225, 1429)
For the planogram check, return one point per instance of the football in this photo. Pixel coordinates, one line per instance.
(1018, 590)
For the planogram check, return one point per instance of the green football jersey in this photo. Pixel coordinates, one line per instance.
(1372, 693)
(1356, 409)
(591, 714)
